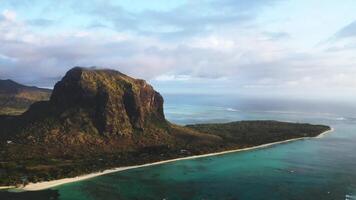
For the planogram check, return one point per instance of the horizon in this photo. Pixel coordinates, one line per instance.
(260, 48)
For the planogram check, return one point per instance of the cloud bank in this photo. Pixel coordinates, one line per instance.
(238, 45)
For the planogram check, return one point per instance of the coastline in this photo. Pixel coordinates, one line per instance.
(54, 183)
(6, 187)
(325, 133)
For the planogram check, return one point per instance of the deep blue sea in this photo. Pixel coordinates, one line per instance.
(318, 168)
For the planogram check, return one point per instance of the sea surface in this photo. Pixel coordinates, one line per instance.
(315, 169)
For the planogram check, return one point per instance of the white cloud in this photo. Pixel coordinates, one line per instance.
(222, 50)
(9, 15)
(166, 77)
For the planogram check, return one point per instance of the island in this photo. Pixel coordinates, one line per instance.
(100, 119)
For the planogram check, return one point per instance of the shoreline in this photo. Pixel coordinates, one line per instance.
(6, 187)
(54, 183)
(325, 133)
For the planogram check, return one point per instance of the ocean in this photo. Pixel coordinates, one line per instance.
(319, 168)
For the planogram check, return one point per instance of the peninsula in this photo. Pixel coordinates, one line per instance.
(99, 119)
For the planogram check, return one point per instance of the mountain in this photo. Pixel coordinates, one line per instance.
(98, 110)
(100, 118)
(16, 98)
(113, 103)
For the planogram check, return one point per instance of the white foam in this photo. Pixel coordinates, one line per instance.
(232, 109)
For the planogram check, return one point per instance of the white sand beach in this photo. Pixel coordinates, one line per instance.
(325, 133)
(50, 184)
(6, 187)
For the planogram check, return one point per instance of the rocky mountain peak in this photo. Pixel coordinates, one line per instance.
(114, 102)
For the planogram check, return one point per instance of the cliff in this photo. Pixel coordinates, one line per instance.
(116, 104)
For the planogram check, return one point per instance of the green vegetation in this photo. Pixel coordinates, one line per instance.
(249, 133)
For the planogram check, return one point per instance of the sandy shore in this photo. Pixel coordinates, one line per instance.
(49, 184)
(324, 133)
(6, 187)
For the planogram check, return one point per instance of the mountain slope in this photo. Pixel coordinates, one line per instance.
(16, 98)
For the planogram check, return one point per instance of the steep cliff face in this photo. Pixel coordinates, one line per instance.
(116, 104)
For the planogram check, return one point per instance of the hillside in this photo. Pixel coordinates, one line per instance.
(98, 119)
(16, 98)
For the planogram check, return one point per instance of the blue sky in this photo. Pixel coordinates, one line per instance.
(259, 47)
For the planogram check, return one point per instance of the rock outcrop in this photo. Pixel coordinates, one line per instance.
(115, 103)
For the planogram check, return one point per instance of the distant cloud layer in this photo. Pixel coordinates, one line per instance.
(212, 45)
(347, 31)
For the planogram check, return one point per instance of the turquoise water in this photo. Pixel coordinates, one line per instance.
(320, 168)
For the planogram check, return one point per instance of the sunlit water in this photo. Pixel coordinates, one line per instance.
(319, 168)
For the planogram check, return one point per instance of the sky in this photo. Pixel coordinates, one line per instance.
(284, 48)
